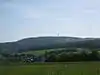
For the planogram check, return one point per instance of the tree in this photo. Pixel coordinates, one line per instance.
(94, 55)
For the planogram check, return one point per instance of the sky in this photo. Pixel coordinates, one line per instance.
(33, 18)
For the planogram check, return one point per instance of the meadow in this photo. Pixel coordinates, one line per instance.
(41, 52)
(69, 68)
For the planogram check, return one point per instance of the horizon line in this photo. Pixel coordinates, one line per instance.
(84, 37)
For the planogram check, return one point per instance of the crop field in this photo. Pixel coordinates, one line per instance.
(76, 68)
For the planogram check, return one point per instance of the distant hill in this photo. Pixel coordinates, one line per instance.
(47, 43)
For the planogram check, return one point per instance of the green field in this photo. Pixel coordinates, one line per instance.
(40, 52)
(82, 68)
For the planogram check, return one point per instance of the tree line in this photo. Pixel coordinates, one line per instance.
(63, 56)
(54, 56)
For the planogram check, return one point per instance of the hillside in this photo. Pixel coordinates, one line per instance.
(47, 43)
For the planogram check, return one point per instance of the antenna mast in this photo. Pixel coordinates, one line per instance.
(58, 34)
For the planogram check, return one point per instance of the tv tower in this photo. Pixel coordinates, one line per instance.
(57, 34)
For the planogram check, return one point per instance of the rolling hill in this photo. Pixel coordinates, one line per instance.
(47, 43)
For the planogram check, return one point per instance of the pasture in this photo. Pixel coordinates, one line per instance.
(72, 68)
(40, 52)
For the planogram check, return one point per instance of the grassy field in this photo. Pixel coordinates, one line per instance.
(83, 68)
(40, 52)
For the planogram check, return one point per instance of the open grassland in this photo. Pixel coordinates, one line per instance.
(41, 52)
(78, 68)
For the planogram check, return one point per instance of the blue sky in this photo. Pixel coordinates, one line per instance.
(32, 18)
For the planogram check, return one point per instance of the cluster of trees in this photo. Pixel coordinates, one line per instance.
(63, 56)
(24, 58)
(54, 56)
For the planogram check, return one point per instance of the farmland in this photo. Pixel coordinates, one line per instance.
(41, 52)
(69, 68)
